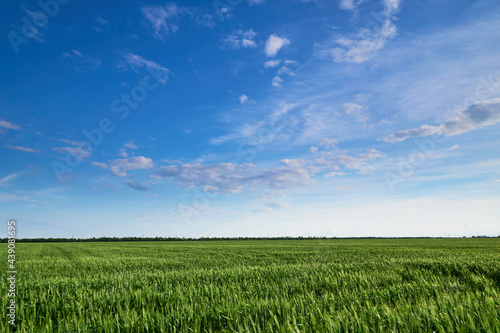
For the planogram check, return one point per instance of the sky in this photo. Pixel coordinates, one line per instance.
(340, 118)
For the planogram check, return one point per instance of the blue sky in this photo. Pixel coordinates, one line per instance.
(250, 118)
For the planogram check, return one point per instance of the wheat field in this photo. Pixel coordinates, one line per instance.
(337, 285)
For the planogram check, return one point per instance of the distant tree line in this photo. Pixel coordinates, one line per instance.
(149, 239)
(177, 239)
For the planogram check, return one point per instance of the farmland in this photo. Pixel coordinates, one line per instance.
(339, 285)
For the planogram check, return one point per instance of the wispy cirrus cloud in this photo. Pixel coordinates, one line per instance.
(24, 149)
(81, 151)
(165, 19)
(484, 113)
(81, 63)
(341, 159)
(137, 186)
(356, 110)
(6, 125)
(100, 165)
(8, 178)
(135, 61)
(305, 121)
(75, 151)
(255, 2)
(358, 47)
(102, 24)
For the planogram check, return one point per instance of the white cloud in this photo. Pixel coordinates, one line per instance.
(221, 177)
(363, 118)
(79, 150)
(239, 39)
(8, 125)
(119, 167)
(271, 129)
(350, 4)
(352, 108)
(234, 178)
(362, 97)
(291, 62)
(6, 179)
(274, 44)
(25, 149)
(243, 99)
(129, 145)
(102, 21)
(285, 70)
(334, 173)
(75, 151)
(360, 46)
(278, 204)
(101, 165)
(122, 152)
(81, 63)
(432, 87)
(248, 43)
(484, 113)
(71, 54)
(69, 142)
(201, 18)
(164, 19)
(355, 110)
(276, 81)
(391, 6)
(328, 143)
(337, 159)
(347, 4)
(272, 63)
(304, 122)
(256, 2)
(224, 12)
(136, 61)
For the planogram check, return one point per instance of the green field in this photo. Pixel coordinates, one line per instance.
(428, 285)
